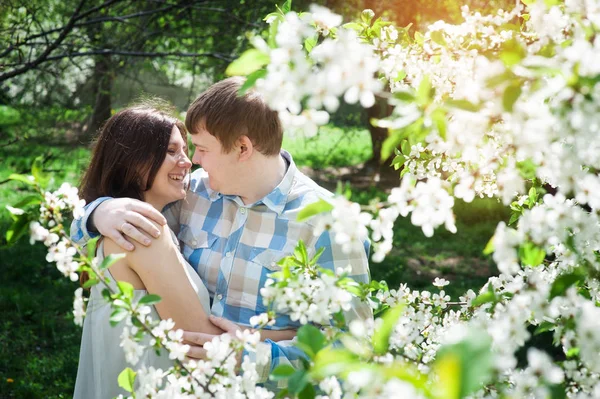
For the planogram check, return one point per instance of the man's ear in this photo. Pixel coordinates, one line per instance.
(246, 148)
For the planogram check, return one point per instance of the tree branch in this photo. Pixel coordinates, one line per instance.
(43, 57)
(143, 54)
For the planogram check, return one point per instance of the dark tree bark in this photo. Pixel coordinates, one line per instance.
(381, 109)
(102, 81)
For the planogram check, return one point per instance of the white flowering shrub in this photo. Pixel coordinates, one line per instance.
(504, 105)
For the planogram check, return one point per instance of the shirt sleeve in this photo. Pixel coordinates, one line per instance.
(80, 233)
(276, 353)
(171, 212)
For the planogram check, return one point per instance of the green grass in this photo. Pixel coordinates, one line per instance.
(332, 146)
(39, 344)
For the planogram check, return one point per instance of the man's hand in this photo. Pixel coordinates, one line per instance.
(196, 340)
(125, 217)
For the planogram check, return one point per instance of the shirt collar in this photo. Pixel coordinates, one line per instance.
(277, 198)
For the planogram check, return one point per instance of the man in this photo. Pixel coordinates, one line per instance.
(239, 217)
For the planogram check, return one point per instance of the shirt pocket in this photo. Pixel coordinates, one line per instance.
(197, 248)
(267, 258)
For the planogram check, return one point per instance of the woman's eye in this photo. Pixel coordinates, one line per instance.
(171, 152)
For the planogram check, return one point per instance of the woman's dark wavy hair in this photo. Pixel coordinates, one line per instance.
(129, 151)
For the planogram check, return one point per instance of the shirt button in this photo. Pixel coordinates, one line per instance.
(219, 297)
(194, 242)
(228, 255)
(243, 211)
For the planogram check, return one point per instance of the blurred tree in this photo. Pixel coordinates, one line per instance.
(50, 48)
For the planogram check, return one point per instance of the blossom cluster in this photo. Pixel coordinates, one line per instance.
(214, 377)
(338, 66)
(307, 298)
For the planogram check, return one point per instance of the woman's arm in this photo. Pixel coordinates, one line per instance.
(163, 273)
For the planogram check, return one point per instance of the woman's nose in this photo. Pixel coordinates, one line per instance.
(184, 162)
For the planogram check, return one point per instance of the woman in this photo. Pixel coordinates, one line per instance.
(140, 153)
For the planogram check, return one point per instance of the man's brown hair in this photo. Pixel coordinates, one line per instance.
(227, 116)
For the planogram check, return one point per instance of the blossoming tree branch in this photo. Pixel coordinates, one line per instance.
(504, 105)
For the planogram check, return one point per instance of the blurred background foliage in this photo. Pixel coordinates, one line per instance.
(67, 65)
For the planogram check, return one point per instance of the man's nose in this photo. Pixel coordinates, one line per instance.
(196, 158)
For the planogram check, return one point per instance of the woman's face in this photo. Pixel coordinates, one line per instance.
(169, 183)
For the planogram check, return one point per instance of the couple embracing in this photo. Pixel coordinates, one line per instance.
(220, 234)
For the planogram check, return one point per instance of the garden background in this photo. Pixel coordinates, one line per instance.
(65, 66)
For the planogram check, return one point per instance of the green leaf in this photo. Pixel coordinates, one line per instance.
(438, 37)
(405, 147)
(464, 367)
(250, 61)
(510, 96)
(150, 299)
(110, 260)
(400, 77)
(38, 172)
(282, 372)
(308, 392)
(381, 336)
(251, 81)
(463, 104)
(91, 248)
(126, 379)
(544, 327)
(419, 38)
(488, 296)
(117, 315)
(533, 196)
(531, 255)
(126, 288)
(313, 209)
(273, 31)
(91, 282)
(558, 391)
(398, 161)
(18, 228)
(390, 144)
(439, 118)
(312, 339)
(404, 95)
(333, 361)
(31, 199)
(315, 258)
(287, 6)
(514, 217)
(489, 247)
(310, 43)
(29, 180)
(355, 26)
(297, 381)
(564, 282)
(300, 252)
(512, 53)
(424, 92)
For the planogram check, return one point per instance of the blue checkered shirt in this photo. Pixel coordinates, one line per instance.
(234, 247)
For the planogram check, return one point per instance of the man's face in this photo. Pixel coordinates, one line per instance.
(220, 166)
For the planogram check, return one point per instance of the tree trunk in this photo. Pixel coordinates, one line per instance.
(102, 79)
(381, 109)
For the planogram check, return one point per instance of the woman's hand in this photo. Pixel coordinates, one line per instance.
(123, 218)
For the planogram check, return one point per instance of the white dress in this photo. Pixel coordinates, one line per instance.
(101, 359)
